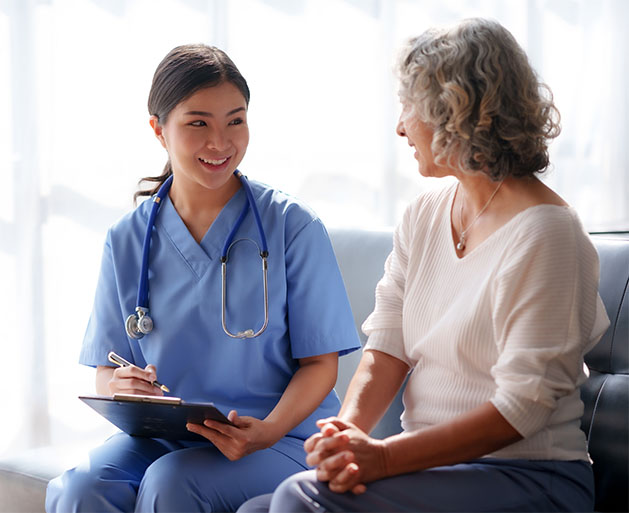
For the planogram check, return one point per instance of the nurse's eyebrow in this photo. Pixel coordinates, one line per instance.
(209, 114)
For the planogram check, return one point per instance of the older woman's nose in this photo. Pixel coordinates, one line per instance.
(399, 129)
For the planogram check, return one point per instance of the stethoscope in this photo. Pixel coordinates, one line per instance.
(140, 323)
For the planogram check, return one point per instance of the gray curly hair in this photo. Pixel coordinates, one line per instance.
(474, 86)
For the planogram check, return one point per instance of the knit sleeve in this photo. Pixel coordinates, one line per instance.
(384, 324)
(544, 309)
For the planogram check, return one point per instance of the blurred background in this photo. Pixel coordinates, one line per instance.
(75, 140)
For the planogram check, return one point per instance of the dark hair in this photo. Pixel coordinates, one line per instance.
(184, 71)
(473, 84)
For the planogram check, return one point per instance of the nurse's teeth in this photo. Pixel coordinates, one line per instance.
(213, 162)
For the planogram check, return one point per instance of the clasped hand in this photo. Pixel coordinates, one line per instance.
(247, 435)
(345, 456)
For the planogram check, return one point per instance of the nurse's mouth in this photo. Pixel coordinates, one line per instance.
(214, 164)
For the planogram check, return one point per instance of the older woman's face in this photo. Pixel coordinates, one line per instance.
(419, 136)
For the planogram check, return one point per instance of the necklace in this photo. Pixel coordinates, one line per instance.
(461, 244)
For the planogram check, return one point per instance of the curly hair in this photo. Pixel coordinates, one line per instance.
(474, 86)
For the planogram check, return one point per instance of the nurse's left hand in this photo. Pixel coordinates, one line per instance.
(247, 435)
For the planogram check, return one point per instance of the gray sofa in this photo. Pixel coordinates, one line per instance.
(361, 256)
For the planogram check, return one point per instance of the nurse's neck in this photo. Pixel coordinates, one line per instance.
(197, 205)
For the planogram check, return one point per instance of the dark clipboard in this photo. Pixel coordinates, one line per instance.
(153, 416)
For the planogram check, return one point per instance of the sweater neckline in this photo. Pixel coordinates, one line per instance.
(488, 240)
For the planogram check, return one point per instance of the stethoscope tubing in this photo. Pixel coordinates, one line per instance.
(249, 203)
(143, 289)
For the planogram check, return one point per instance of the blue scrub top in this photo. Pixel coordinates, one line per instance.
(309, 313)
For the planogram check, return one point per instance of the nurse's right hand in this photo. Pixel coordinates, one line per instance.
(126, 380)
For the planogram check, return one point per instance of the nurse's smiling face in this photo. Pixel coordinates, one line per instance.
(206, 136)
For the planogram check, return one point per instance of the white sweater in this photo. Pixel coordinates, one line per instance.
(507, 323)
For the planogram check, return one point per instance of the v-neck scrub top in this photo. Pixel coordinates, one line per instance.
(309, 313)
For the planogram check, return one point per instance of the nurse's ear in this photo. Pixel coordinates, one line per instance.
(158, 129)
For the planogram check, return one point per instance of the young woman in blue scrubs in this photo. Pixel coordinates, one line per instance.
(275, 385)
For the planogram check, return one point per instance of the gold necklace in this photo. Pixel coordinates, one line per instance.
(461, 245)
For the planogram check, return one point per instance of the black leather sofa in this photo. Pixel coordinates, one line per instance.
(606, 392)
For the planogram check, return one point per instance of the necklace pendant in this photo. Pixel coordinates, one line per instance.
(461, 245)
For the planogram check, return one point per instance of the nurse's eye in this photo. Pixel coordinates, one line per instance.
(198, 123)
(237, 121)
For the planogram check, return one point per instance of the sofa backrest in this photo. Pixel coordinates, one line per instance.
(361, 255)
(606, 392)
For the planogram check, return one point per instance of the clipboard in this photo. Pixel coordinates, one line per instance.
(154, 416)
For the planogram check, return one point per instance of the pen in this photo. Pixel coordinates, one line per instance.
(119, 360)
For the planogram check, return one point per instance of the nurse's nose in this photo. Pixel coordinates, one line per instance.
(217, 140)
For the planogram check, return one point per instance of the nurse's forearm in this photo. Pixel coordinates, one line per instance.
(103, 377)
(311, 383)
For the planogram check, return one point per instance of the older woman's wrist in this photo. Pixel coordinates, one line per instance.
(385, 458)
(397, 455)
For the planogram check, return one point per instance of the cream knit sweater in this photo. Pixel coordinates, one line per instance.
(507, 323)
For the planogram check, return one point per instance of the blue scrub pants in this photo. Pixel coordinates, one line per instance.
(479, 485)
(142, 474)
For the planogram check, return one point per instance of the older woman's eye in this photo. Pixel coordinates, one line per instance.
(198, 123)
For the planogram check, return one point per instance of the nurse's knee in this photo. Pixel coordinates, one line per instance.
(69, 490)
(297, 493)
(80, 489)
(168, 484)
(163, 476)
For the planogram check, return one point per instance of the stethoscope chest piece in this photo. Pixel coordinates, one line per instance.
(139, 323)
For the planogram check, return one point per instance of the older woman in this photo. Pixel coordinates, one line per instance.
(489, 298)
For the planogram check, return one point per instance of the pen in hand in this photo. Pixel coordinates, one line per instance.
(120, 361)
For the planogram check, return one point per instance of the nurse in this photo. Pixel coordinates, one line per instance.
(274, 385)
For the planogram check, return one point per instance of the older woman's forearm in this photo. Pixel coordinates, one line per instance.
(476, 433)
(377, 379)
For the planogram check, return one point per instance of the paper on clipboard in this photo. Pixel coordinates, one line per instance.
(154, 416)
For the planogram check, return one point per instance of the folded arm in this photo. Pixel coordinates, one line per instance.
(347, 457)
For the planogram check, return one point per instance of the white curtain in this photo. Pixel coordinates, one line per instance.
(74, 140)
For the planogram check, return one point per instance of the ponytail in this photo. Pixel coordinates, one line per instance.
(158, 180)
